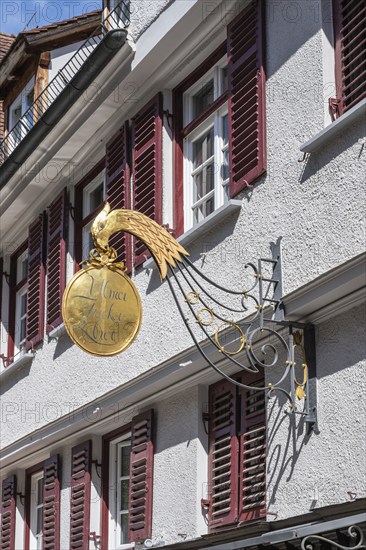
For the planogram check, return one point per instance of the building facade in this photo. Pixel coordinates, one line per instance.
(234, 124)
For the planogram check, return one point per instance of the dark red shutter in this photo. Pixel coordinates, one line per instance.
(1, 289)
(118, 188)
(35, 292)
(223, 455)
(350, 52)
(8, 512)
(141, 477)
(252, 466)
(80, 496)
(147, 166)
(51, 504)
(247, 143)
(56, 260)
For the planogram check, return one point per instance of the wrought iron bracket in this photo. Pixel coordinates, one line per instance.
(257, 330)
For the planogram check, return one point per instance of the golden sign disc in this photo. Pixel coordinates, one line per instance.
(102, 310)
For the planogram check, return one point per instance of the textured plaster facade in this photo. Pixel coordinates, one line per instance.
(316, 207)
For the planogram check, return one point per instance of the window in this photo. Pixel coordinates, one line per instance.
(128, 457)
(119, 15)
(93, 197)
(119, 468)
(219, 130)
(21, 302)
(18, 301)
(21, 106)
(89, 197)
(350, 35)
(36, 512)
(42, 505)
(206, 145)
(237, 439)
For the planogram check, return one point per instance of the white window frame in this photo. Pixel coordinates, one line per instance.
(114, 527)
(18, 343)
(215, 120)
(35, 539)
(87, 191)
(21, 102)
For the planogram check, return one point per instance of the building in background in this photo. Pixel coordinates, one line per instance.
(232, 124)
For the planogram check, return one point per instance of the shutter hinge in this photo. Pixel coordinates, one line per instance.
(21, 497)
(97, 538)
(205, 504)
(7, 277)
(334, 105)
(97, 465)
(170, 119)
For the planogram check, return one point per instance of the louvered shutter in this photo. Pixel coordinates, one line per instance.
(118, 188)
(56, 260)
(147, 166)
(247, 146)
(350, 52)
(80, 496)
(223, 455)
(141, 477)
(1, 289)
(8, 512)
(252, 441)
(51, 504)
(36, 276)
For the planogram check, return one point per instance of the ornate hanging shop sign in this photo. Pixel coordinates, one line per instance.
(102, 312)
(101, 307)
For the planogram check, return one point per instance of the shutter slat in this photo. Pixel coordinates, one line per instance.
(80, 495)
(56, 260)
(252, 464)
(118, 189)
(147, 166)
(141, 472)
(36, 284)
(51, 504)
(223, 455)
(246, 98)
(8, 513)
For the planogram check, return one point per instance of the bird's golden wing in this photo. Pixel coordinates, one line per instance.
(162, 245)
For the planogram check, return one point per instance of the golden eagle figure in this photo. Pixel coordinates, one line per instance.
(162, 245)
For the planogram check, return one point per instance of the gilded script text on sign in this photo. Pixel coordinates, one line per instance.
(102, 310)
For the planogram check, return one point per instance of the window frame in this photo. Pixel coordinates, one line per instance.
(183, 129)
(108, 485)
(220, 191)
(21, 102)
(34, 506)
(114, 487)
(81, 219)
(31, 474)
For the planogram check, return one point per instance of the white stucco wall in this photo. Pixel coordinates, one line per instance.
(315, 206)
(305, 473)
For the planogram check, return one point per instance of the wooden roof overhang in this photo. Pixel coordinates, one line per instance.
(32, 48)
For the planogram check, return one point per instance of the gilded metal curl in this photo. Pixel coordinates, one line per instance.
(354, 532)
(201, 321)
(192, 297)
(242, 338)
(300, 386)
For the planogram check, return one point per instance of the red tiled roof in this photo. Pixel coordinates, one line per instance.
(6, 41)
